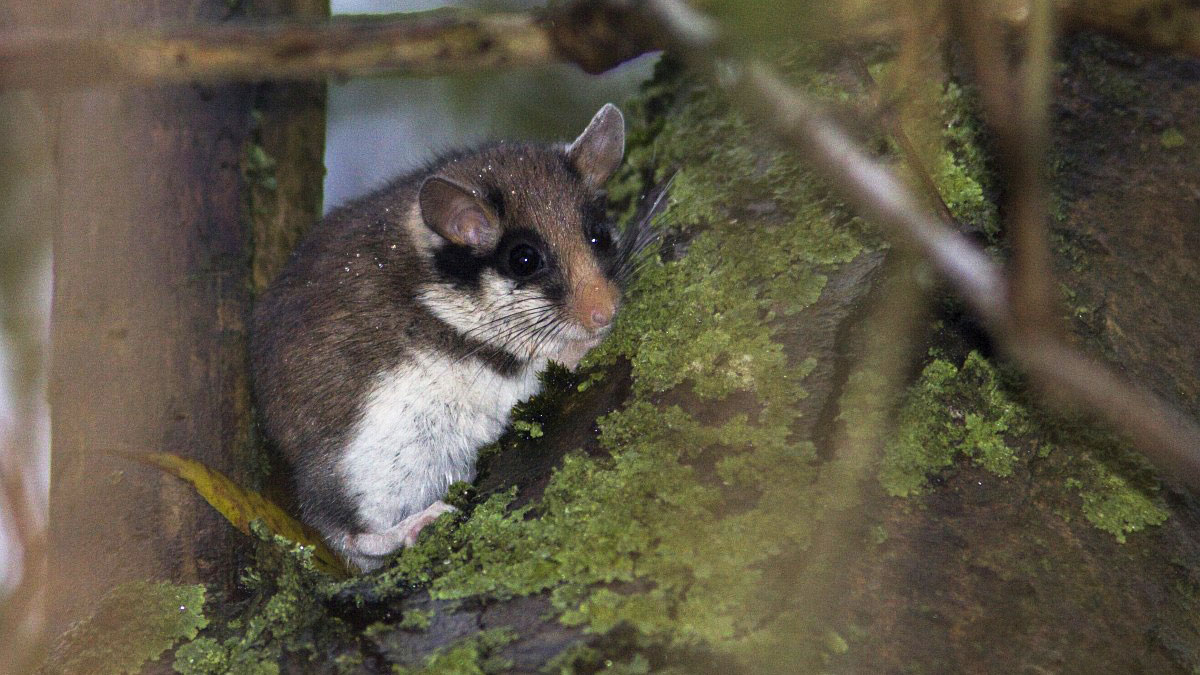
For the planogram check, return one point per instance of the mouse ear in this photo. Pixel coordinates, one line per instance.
(598, 150)
(452, 211)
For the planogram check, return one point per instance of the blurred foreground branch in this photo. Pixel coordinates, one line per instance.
(595, 35)
(592, 35)
(1164, 435)
(1014, 106)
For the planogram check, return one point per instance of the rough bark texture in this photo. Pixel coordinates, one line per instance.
(153, 285)
(287, 177)
(995, 574)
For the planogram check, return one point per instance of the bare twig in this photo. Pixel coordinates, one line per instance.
(1015, 109)
(23, 612)
(873, 189)
(893, 125)
(423, 43)
(1165, 436)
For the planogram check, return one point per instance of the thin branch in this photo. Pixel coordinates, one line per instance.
(424, 43)
(892, 124)
(23, 611)
(1168, 438)
(1032, 281)
(872, 188)
(1015, 109)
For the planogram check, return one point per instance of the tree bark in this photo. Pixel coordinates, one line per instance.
(152, 289)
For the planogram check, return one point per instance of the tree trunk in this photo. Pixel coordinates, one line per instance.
(153, 249)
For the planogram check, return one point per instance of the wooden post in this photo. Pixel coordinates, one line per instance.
(153, 280)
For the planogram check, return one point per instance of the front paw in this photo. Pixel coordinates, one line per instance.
(411, 527)
(400, 535)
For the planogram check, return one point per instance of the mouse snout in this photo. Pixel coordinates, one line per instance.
(596, 305)
(601, 317)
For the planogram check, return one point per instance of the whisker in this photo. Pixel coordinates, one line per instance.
(527, 329)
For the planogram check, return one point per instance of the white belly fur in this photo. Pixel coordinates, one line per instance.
(420, 430)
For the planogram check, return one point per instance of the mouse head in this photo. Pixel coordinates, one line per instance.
(523, 255)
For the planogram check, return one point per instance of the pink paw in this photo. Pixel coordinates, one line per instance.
(409, 528)
(366, 548)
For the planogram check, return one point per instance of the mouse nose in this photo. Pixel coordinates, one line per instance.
(595, 305)
(601, 317)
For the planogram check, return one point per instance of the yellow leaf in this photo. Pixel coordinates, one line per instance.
(241, 507)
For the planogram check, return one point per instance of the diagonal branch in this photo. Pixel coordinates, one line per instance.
(894, 126)
(1015, 109)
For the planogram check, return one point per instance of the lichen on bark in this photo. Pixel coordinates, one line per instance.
(133, 625)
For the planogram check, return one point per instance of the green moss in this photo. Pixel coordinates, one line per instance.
(206, 655)
(475, 655)
(415, 619)
(258, 167)
(286, 616)
(573, 659)
(1172, 138)
(134, 624)
(961, 171)
(1119, 500)
(528, 416)
(708, 319)
(969, 411)
(947, 411)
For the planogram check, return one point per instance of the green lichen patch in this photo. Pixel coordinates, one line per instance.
(971, 411)
(1118, 493)
(475, 655)
(416, 619)
(287, 616)
(1172, 138)
(762, 231)
(258, 167)
(952, 410)
(961, 171)
(134, 624)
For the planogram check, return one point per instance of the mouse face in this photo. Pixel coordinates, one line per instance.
(523, 255)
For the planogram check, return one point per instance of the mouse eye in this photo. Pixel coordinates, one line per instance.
(600, 238)
(524, 261)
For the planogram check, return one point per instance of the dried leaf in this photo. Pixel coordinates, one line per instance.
(241, 507)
